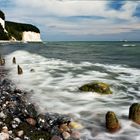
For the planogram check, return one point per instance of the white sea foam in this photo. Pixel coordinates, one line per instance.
(55, 84)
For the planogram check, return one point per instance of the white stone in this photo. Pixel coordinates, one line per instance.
(2, 22)
(20, 133)
(17, 120)
(4, 129)
(17, 138)
(4, 136)
(31, 36)
(2, 115)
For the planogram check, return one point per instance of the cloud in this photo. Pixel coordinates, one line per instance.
(91, 26)
(77, 17)
(77, 8)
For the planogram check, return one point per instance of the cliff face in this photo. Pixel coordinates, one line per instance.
(18, 31)
(31, 36)
(2, 22)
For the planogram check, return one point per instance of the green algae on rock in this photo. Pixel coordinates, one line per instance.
(134, 113)
(112, 123)
(98, 87)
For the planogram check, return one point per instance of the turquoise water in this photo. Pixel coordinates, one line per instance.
(62, 67)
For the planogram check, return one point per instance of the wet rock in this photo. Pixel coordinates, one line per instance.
(31, 121)
(134, 113)
(36, 135)
(20, 133)
(4, 129)
(64, 128)
(41, 122)
(54, 120)
(8, 120)
(56, 138)
(16, 90)
(22, 119)
(4, 136)
(98, 87)
(26, 138)
(15, 123)
(19, 69)
(2, 115)
(17, 138)
(112, 123)
(75, 135)
(54, 130)
(31, 111)
(14, 60)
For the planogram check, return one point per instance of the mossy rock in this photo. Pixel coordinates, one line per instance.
(98, 87)
(134, 113)
(112, 123)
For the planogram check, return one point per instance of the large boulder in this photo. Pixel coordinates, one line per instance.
(98, 87)
(134, 113)
(112, 123)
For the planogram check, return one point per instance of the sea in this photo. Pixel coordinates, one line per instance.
(53, 72)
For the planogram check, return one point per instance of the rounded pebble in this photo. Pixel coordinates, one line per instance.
(66, 135)
(56, 138)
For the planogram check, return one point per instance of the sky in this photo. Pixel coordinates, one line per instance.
(78, 20)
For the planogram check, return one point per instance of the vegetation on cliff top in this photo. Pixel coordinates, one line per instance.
(3, 35)
(2, 15)
(20, 27)
(16, 29)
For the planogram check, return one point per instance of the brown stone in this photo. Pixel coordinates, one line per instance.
(134, 113)
(4, 129)
(64, 128)
(56, 138)
(75, 135)
(112, 123)
(31, 121)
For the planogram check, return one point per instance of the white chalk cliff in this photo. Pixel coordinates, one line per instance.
(18, 31)
(2, 22)
(31, 36)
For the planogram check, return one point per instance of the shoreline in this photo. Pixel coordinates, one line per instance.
(20, 120)
(16, 41)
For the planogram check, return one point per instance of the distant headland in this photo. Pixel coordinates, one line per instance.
(12, 31)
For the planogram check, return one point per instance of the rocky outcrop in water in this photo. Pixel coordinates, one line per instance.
(134, 113)
(112, 123)
(98, 87)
